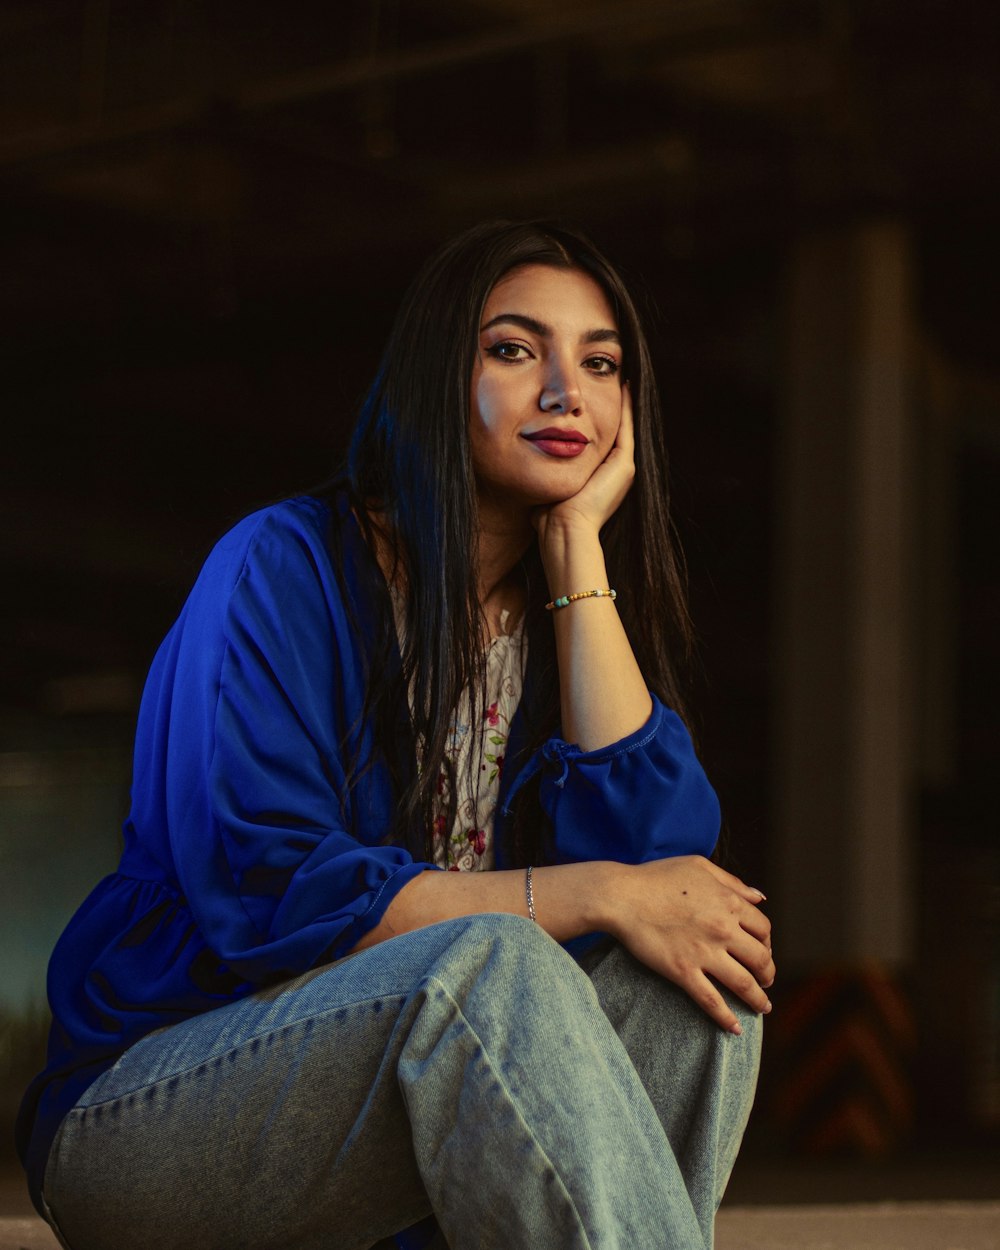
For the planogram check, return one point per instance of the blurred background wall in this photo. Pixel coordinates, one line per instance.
(208, 211)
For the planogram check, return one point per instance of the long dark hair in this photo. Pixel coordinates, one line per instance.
(409, 461)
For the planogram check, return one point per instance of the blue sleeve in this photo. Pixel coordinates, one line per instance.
(278, 869)
(643, 798)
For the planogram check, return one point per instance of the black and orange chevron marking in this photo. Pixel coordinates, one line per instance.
(842, 1044)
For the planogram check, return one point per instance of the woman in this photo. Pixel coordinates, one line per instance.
(423, 668)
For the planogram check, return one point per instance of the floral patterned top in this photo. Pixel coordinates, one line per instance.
(478, 734)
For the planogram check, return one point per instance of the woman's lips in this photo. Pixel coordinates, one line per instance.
(555, 442)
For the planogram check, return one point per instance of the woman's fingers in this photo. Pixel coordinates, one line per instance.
(720, 969)
(745, 903)
(706, 994)
(755, 957)
(749, 892)
(754, 921)
(735, 978)
(702, 986)
(626, 430)
(601, 495)
(698, 925)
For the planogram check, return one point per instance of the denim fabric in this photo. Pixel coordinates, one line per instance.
(471, 1069)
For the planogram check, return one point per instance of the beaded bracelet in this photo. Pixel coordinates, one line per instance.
(529, 893)
(565, 600)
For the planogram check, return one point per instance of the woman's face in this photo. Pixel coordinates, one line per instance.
(546, 395)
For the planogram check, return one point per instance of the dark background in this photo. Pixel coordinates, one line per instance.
(208, 212)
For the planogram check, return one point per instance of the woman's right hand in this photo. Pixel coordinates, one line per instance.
(695, 924)
(684, 917)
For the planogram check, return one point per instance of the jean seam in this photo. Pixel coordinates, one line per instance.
(50, 1219)
(240, 1046)
(514, 1103)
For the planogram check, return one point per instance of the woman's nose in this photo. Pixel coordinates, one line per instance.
(560, 392)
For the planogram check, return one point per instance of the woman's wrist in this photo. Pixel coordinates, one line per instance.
(559, 534)
(573, 899)
(572, 553)
(602, 905)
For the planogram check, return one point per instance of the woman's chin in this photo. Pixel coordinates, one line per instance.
(527, 498)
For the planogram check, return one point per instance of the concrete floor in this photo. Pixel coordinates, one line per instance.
(868, 1226)
(806, 1218)
(26, 1233)
(871, 1226)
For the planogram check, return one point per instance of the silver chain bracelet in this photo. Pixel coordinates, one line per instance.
(529, 894)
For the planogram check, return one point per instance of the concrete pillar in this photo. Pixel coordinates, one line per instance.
(937, 576)
(843, 662)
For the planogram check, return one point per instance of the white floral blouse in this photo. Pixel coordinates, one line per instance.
(477, 734)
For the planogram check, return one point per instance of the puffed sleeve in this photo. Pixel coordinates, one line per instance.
(258, 691)
(645, 797)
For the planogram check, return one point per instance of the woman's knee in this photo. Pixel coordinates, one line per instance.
(509, 966)
(499, 938)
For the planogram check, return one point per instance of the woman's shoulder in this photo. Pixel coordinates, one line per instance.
(271, 580)
(281, 549)
(279, 537)
(300, 518)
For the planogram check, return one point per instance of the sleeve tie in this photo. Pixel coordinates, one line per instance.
(555, 751)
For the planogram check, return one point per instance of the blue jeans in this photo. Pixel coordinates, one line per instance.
(472, 1071)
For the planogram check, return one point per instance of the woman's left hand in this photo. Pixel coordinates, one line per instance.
(603, 695)
(601, 495)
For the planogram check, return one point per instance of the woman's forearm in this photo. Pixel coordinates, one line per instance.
(603, 695)
(686, 918)
(571, 899)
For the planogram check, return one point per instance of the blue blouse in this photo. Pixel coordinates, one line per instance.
(246, 861)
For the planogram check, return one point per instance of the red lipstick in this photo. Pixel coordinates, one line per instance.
(556, 442)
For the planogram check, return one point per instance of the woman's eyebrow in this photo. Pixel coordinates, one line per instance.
(518, 319)
(601, 336)
(544, 331)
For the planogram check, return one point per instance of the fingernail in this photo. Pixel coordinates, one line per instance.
(736, 1030)
(760, 893)
(768, 1007)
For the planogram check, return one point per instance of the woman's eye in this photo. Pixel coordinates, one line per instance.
(508, 351)
(605, 366)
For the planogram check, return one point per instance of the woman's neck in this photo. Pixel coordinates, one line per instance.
(503, 540)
